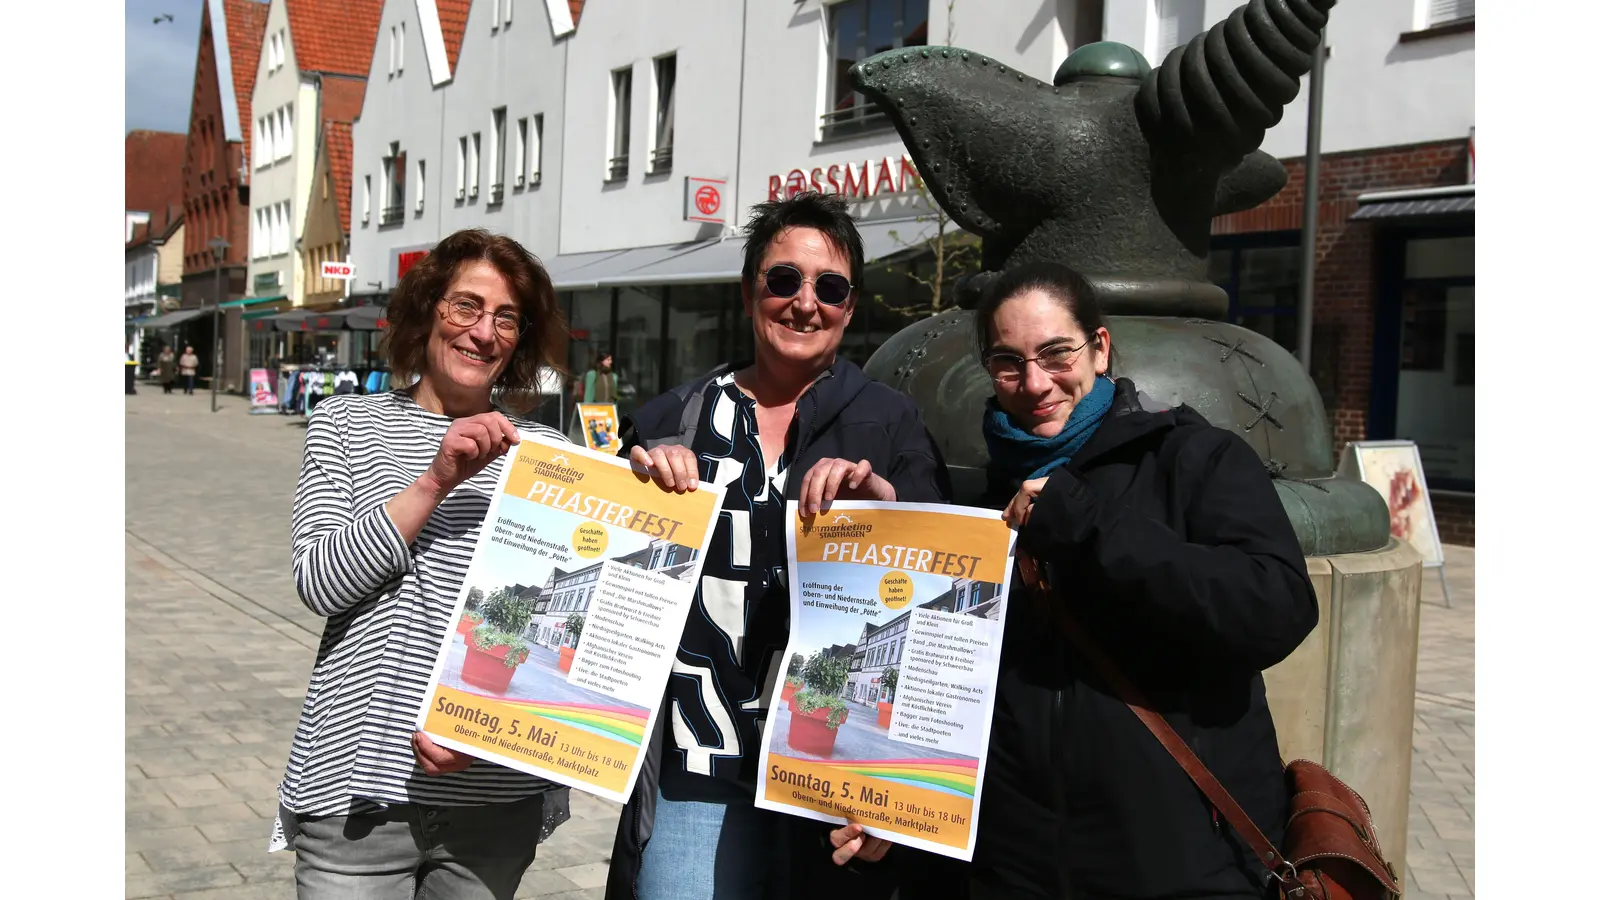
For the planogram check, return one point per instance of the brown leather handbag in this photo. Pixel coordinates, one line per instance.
(1331, 848)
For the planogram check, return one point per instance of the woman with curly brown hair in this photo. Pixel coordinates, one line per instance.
(393, 490)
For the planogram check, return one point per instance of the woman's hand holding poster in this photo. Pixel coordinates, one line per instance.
(569, 618)
(896, 615)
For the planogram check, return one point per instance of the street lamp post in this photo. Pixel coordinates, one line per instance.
(219, 248)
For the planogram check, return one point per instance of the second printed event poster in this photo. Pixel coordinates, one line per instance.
(569, 618)
(896, 616)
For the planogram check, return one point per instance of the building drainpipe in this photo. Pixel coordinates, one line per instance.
(738, 141)
(1308, 223)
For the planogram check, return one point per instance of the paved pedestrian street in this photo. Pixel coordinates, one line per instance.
(219, 649)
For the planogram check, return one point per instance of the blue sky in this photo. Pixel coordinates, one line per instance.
(824, 628)
(501, 564)
(159, 74)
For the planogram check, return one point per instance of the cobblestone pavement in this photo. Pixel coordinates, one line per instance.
(219, 649)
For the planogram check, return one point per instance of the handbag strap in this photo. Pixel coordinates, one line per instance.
(1130, 694)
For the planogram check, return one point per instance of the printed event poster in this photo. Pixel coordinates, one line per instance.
(569, 617)
(263, 397)
(896, 614)
(1394, 469)
(600, 426)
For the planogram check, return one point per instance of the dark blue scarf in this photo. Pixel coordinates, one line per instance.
(1024, 455)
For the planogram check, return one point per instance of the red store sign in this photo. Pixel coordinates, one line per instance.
(870, 179)
(405, 261)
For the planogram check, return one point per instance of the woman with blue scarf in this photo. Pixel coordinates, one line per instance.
(1162, 538)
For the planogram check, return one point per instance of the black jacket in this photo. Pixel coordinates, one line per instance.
(1166, 540)
(844, 414)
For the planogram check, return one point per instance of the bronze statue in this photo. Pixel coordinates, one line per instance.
(1117, 170)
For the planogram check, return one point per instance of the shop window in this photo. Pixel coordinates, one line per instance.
(638, 360)
(1434, 397)
(621, 113)
(1263, 285)
(858, 29)
(666, 87)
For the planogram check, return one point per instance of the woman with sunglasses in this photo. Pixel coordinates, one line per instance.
(393, 491)
(798, 422)
(1162, 538)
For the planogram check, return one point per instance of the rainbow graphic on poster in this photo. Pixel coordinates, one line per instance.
(958, 777)
(623, 723)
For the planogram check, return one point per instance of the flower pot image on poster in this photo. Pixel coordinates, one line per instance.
(1394, 470)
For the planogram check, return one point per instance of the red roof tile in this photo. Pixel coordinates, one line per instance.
(342, 98)
(336, 144)
(334, 37)
(453, 22)
(247, 28)
(576, 8)
(154, 173)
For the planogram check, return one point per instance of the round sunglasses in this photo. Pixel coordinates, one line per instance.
(784, 281)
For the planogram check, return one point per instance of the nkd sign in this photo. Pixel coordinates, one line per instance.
(872, 178)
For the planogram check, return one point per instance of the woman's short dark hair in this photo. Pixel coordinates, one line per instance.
(1062, 283)
(412, 310)
(827, 213)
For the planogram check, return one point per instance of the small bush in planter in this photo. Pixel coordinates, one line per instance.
(574, 628)
(496, 647)
(808, 701)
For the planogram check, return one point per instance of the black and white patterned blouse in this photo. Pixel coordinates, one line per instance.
(739, 622)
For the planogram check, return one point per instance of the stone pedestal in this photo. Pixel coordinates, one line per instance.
(1346, 697)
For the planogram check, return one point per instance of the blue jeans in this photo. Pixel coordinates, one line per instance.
(715, 851)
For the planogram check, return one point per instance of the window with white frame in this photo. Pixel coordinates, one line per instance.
(255, 145)
(536, 150)
(497, 154)
(621, 115)
(274, 49)
(264, 156)
(1446, 12)
(422, 181)
(461, 168)
(858, 29)
(474, 153)
(258, 233)
(394, 185)
(400, 52)
(394, 46)
(286, 132)
(519, 154)
(366, 199)
(280, 228)
(494, 15)
(1176, 23)
(666, 73)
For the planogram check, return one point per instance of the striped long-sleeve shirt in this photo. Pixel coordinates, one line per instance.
(388, 606)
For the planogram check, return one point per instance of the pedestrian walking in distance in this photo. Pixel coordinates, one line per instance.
(188, 364)
(166, 369)
(393, 492)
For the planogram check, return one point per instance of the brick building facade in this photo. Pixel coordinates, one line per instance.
(1357, 288)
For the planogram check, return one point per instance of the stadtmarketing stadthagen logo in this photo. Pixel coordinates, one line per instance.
(558, 468)
(843, 526)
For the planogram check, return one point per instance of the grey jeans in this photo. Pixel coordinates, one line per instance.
(413, 851)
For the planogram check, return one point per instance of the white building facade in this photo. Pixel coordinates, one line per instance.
(657, 128)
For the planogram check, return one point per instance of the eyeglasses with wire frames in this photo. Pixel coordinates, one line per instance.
(1009, 367)
(784, 281)
(465, 312)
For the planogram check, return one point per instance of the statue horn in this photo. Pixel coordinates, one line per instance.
(1218, 94)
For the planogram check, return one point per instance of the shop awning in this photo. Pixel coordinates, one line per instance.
(367, 318)
(722, 261)
(172, 319)
(1416, 204)
(306, 320)
(561, 268)
(250, 301)
(607, 271)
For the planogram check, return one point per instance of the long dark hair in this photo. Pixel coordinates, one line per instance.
(1060, 282)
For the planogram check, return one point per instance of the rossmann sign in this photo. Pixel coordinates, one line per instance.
(864, 181)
